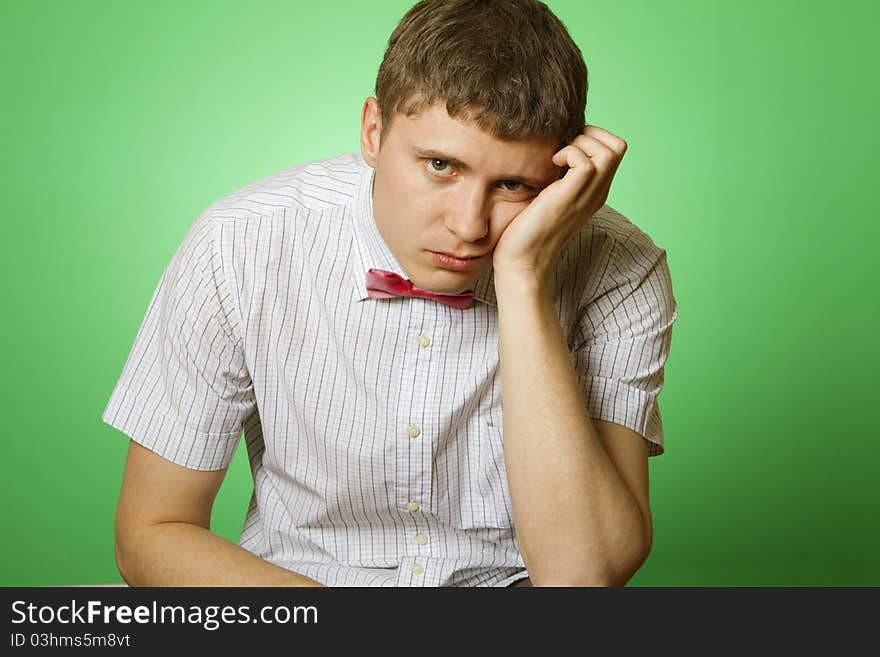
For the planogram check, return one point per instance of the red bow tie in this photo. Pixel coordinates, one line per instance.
(383, 284)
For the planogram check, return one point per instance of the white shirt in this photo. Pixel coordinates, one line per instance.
(373, 426)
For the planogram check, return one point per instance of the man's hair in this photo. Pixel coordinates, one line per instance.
(509, 66)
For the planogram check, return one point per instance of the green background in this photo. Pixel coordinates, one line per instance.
(752, 159)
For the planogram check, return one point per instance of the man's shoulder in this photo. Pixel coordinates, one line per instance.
(320, 185)
(609, 224)
(606, 250)
(607, 235)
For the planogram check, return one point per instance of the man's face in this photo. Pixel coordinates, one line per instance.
(445, 186)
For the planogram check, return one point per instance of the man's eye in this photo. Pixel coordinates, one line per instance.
(439, 166)
(514, 186)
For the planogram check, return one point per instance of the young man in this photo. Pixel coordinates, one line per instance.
(445, 352)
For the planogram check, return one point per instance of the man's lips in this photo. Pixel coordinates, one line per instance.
(454, 263)
(460, 257)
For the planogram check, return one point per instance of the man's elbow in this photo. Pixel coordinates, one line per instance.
(130, 549)
(621, 572)
(595, 579)
(122, 557)
(608, 573)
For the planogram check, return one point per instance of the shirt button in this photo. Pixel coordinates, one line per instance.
(424, 340)
(412, 506)
(421, 538)
(413, 431)
(417, 569)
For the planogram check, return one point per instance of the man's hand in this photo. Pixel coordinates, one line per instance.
(532, 242)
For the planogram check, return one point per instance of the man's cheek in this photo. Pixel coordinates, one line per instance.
(499, 227)
(512, 215)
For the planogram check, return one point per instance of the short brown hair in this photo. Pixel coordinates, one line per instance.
(509, 66)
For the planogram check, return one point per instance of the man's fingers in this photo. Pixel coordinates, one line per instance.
(603, 156)
(604, 148)
(592, 158)
(574, 157)
(613, 142)
(607, 152)
(592, 163)
(582, 171)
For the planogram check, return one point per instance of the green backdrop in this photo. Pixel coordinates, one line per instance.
(752, 156)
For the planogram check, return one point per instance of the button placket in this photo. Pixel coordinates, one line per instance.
(417, 415)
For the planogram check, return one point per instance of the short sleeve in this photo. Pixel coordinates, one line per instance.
(623, 337)
(185, 390)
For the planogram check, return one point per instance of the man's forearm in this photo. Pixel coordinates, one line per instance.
(184, 554)
(576, 521)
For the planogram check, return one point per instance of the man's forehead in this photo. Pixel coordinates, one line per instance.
(430, 115)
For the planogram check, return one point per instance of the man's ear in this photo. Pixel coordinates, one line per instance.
(371, 129)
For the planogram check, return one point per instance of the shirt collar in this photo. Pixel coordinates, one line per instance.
(373, 252)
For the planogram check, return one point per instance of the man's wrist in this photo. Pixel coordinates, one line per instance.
(516, 283)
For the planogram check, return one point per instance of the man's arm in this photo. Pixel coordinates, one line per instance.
(580, 508)
(163, 535)
(628, 452)
(579, 488)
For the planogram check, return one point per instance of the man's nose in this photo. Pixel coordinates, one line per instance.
(469, 219)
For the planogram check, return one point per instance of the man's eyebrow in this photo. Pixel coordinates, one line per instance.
(434, 154)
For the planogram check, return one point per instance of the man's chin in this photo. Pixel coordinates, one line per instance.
(446, 282)
(428, 276)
